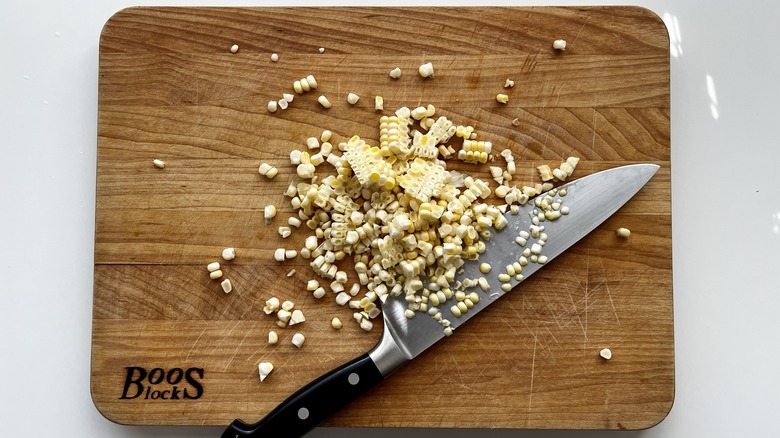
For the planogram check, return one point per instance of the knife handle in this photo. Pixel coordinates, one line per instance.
(313, 403)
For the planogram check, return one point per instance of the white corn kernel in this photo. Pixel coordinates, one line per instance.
(324, 102)
(509, 83)
(271, 305)
(234, 48)
(273, 337)
(342, 298)
(623, 232)
(298, 340)
(298, 87)
(290, 254)
(559, 44)
(426, 70)
(227, 286)
(159, 163)
(288, 305)
(395, 73)
(215, 274)
(352, 98)
(325, 136)
(542, 259)
(312, 82)
(536, 249)
(336, 323)
(282, 103)
(379, 103)
(294, 221)
(265, 369)
(506, 287)
(483, 284)
(606, 353)
(213, 266)
(297, 317)
(290, 273)
(285, 232)
(312, 143)
(269, 212)
(279, 254)
(366, 324)
(319, 292)
(274, 57)
(502, 98)
(312, 285)
(229, 253)
(484, 268)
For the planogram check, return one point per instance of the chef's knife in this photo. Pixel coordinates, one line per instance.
(590, 200)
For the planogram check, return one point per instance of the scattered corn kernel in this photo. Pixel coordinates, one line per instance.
(274, 57)
(426, 70)
(352, 98)
(298, 340)
(324, 102)
(215, 274)
(227, 286)
(606, 353)
(509, 83)
(234, 48)
(297, 317)
(559, 44)
(336, 323)
(395, 73)
(269, 212)
(379, 103)
(229, 253)
(271, 305)
(279, 254)
(159, 163)
(484, 268)
(502, 98)
(272, 337)
(322, 49)
(213, 266)
(265, 369)
(623, 232)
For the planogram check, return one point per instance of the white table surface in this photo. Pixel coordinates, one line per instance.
(726, 221)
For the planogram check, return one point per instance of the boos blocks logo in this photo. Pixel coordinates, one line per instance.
(159, 384)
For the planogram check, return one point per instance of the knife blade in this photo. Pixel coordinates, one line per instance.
(590, 200)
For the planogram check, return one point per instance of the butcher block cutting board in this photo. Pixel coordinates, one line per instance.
(170, 347)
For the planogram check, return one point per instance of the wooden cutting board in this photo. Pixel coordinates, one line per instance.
(171, 89)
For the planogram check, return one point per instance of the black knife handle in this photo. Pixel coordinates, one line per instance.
(313, 403)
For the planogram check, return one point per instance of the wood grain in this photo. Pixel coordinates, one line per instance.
(170, 89)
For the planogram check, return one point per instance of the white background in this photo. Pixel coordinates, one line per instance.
(726, 221)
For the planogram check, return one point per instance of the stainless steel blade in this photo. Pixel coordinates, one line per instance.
(591, 200)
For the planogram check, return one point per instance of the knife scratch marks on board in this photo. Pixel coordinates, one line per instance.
(238, 347)
(194, 344)
(580, 31)
(609, 294)
(531, 390)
